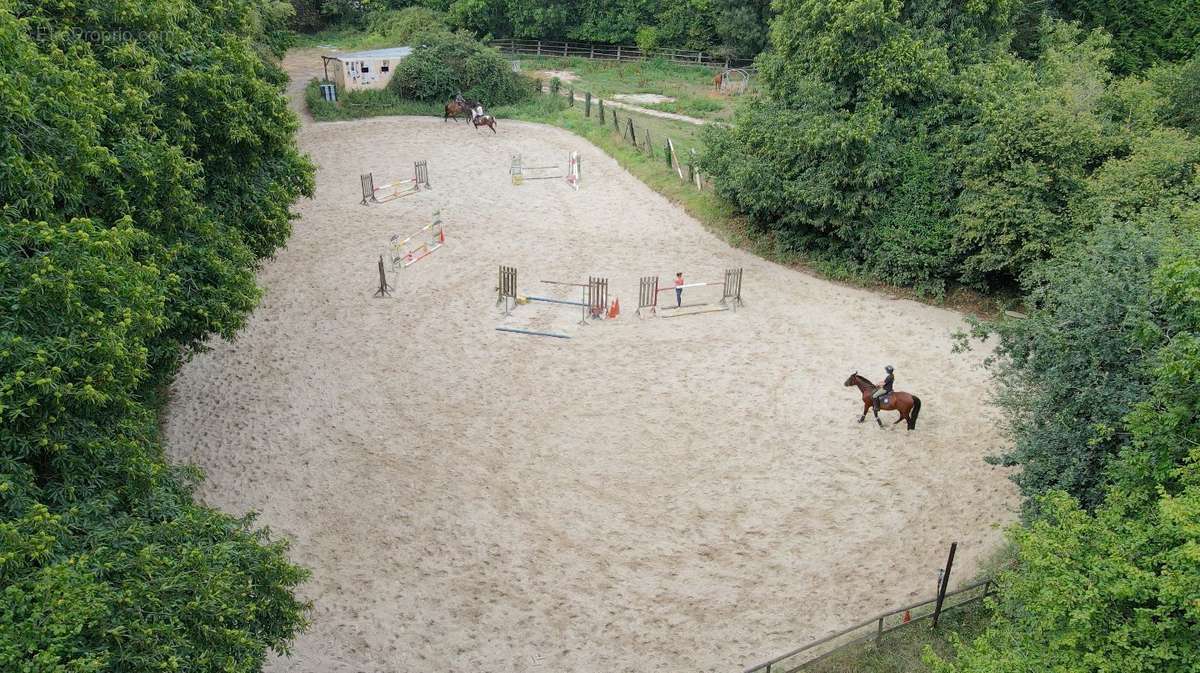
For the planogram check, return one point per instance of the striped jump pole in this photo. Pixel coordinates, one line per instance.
(731, 292)
(400, 188)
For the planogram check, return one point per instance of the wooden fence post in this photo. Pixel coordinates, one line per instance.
(571, 97)
(587, 104)
(941, 594)
(601, 111)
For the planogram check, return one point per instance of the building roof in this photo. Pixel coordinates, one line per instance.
(391, 53)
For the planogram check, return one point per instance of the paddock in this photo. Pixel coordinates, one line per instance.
(679, 495)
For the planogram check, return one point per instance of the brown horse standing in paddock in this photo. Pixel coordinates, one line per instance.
(907, 404)
(718, 81)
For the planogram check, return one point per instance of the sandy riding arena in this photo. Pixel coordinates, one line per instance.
(686, 494)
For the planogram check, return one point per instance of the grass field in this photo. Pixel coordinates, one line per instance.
(902, 651)
(691, 87)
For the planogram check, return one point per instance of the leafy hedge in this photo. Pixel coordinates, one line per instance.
(443, 64)
(146, 167)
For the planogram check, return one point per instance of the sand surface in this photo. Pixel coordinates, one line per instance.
(686, 494)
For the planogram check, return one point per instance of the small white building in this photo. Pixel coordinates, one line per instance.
(364, 69)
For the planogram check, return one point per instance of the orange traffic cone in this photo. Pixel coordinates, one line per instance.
(615, 309)
(441, 235)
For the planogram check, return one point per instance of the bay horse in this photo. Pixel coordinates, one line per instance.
(458, 106)
(907, 404)
(718, 81)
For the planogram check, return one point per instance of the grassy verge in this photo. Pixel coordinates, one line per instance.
(363, 104)
(652, 169)
(344, 38)
(691, 87)
(901, 651)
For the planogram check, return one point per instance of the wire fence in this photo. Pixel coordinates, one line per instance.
(617, 52)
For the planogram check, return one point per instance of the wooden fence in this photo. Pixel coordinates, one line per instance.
(616, 52)
(874, 628)
(685, 167)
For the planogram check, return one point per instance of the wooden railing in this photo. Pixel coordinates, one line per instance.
(616, 52)
(871, 629)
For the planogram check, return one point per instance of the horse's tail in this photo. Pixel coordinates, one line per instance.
(912, 418)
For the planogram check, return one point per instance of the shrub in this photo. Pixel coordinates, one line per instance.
(444, 64)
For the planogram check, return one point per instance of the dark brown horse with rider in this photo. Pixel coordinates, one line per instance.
(460, 106)
(907, 404)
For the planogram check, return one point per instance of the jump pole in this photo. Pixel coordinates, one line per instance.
(594, 301)
(402, 257)
(731, 291)
(419, 180)
(571, 172)
(707, 310)
(515, 330)
(556, 301)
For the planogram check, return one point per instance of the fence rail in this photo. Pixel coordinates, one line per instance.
(872, 629)
(616, 52)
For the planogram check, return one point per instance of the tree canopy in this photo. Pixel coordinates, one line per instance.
(147, 165)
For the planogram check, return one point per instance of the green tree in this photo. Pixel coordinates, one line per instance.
(742, 27)
(448, 63)
(1117, 590)
(147, 165)
(1178, 90)
(1145, 32)
(1076, 364)
(1031, 133)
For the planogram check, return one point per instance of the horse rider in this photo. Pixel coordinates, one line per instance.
(880, 396)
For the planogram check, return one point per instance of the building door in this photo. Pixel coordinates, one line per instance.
(369, 71)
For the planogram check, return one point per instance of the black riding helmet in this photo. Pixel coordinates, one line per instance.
(888, 369)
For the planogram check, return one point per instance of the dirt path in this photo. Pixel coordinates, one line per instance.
(688, 494)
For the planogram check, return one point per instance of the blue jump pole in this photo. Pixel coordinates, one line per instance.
(556, 301)
(526, 331)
